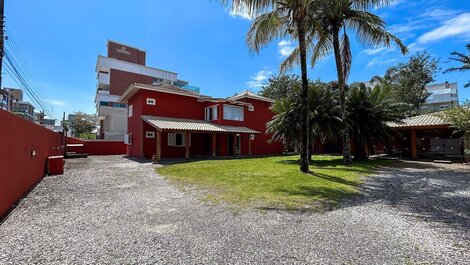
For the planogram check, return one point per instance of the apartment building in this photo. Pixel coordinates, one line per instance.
(124, 65)
(5, 100)
(443, 96)
(165, 120)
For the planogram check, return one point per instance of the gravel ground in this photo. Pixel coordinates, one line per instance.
(111, 210)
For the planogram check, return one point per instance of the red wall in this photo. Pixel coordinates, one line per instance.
(19, 171)
(119, 81)
(133, 55)
(186, 107)
(97, 147)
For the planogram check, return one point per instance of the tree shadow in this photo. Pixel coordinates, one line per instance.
(427, 191)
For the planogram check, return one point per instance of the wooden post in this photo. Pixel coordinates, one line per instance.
(249, 144)
(187, 145)
(414, 154)
(159, 145)
(213, 144)
(234, 144)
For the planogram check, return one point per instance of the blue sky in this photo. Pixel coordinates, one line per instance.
(203, 42)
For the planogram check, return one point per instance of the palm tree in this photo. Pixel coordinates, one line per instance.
(340, 16)
(275, 19)
(285, 125)
(462, 58)
(323, 114)
(369, 110)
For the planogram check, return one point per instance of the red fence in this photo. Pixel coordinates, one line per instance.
(96, 147)
(25, 147)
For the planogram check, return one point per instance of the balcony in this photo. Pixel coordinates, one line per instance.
(191, 88)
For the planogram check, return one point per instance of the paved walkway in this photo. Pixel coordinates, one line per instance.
(111, 210)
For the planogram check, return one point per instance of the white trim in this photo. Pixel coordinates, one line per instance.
(130, 110)
(149, 134)
(151, 101)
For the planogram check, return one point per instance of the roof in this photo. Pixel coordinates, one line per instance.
(249, 94)
(172, 89)
(173, 124)
(425, 120)
(162, 87)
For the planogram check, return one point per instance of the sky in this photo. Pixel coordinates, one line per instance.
(204, 42)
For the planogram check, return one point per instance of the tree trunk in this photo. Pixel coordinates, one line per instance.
(342, 98)
(304, 165)
(359, 151)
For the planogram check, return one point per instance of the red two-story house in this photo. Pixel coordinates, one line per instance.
(167, 121)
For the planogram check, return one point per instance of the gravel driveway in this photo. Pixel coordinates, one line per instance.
(111, 210)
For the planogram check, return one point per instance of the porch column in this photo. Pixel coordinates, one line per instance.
(249, 144)
(234, 145)
(414, 154)
(187, 145)
(213, 144)
(159, 145)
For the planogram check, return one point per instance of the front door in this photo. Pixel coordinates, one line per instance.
(237, 144)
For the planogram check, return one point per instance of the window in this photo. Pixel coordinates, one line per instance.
(211, 113)
(150, 101)
(149, 134)
(233, 113)
(251, 108)
(130, 110)
(157, 81)
(178, 139)
(252, 136)
(128, 138)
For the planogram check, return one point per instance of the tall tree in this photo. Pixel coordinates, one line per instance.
(459, 118)
(461, 58)
(409, 80)
(84, 123)
(279, 86)
(336, 17)
(274, 19)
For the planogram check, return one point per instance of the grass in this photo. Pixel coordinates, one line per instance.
(272, 182)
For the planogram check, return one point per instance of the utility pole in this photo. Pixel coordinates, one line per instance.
(2, 37)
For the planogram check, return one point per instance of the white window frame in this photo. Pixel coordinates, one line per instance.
(251, 108)
(211, 109)
(172, 139)
(149, 134)
(252, 136)
(225, 114)
(151, 101)
(130, 110)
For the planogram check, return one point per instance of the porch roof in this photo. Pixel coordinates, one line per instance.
(174, 124)
(426, 120)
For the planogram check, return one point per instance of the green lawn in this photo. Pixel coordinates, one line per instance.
(272, 182)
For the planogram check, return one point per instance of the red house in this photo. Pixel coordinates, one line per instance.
(168, 121)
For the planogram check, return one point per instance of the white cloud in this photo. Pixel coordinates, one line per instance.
(56, 102)
(381, 61)
(377, 50)
(285, 48)
(455, 27)
(258, 79)
(241, 12)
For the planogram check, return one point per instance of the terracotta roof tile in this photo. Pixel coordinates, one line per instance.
(174, 124)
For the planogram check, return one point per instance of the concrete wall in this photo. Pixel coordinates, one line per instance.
(115, 123)
(20, 170)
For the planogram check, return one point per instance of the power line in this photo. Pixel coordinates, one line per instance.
(21, 73)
